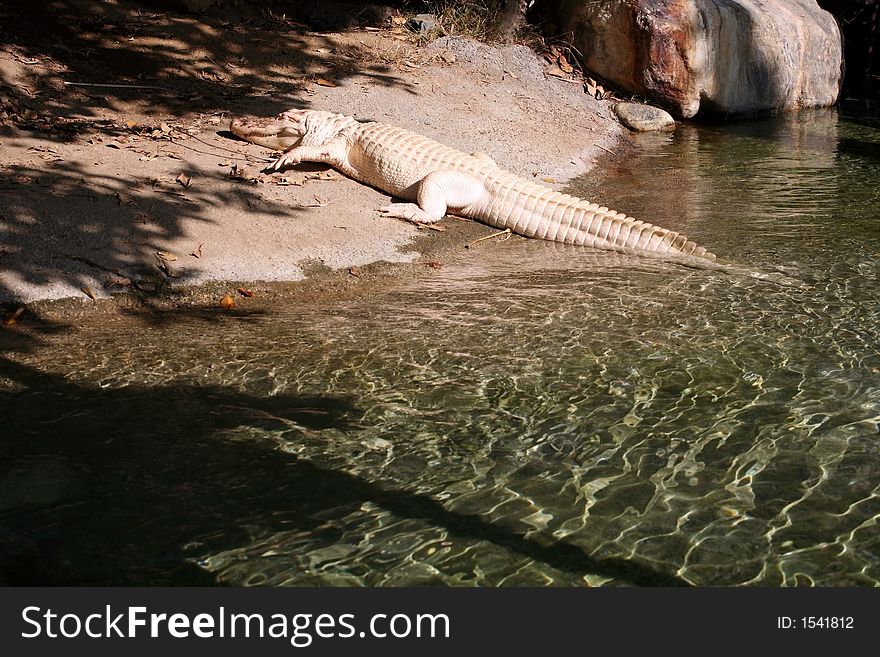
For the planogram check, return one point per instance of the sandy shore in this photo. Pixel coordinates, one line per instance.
(95, 181)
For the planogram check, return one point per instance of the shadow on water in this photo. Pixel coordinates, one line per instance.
(99, 486)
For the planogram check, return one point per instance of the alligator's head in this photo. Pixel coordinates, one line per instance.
(288, 128)
(280, 133)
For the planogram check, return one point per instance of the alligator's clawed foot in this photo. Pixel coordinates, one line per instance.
(408, 212)
(289, 159)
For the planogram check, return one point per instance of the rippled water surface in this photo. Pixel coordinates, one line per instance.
(528, 414)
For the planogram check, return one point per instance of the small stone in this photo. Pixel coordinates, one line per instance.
(643, 118)
(422, 23)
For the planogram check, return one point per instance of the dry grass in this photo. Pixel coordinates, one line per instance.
(484, 20)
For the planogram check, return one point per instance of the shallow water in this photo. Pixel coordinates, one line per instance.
(527, 414)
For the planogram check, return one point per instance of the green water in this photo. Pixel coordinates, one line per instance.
(530, 414)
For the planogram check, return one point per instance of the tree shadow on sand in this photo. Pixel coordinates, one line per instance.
(69, 72)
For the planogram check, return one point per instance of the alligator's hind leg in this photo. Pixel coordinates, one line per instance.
(333, 153)
(435, 193)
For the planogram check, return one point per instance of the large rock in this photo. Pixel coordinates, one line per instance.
(719, 56)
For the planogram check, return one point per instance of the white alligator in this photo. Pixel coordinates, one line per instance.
(435, 179)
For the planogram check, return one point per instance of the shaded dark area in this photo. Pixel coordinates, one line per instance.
(860, 22)
(68, 210)
(70, 64)
(84, 500)
(222, 59)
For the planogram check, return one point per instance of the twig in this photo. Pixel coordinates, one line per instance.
(506, 231)
(110, 86)
(241, 156)
(607, 150)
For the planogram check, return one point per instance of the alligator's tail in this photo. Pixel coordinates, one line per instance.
(735, 269)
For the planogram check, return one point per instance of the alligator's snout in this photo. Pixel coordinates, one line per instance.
(277, 133)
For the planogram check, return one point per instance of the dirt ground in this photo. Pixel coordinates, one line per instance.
(117, 173)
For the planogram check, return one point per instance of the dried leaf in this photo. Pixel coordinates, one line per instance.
(227, 302)
(164, 255)
(164, 267)
(88, 292)
(564, 65)
(548, 180)
(113, 281)
(354, 271)
(556, 72)
(13, 317)
(325, 83)
(439, 229)
(284, 181)
(319, 203)
(197, 253)
(245, 293)
(433, 264)
(184, 180)
(322, 175)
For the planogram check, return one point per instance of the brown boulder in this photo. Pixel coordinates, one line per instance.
(719, 56)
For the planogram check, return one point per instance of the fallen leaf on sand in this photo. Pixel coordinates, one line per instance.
(325, 83)
(319, 203)
(564, 65)
(197, 253)
(245, 293)
(284, 180)
(114, 280)
(354, 271)
(433, 264)
(227, 302)
(321, 175)
(88, 292)
(13, 317)
(164, 255)
(164, 267)
(556, 72)
(184, 180)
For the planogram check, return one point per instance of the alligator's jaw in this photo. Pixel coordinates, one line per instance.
(276, 133)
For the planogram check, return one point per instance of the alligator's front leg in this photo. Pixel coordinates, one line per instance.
(435, 194)
(334, 153)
